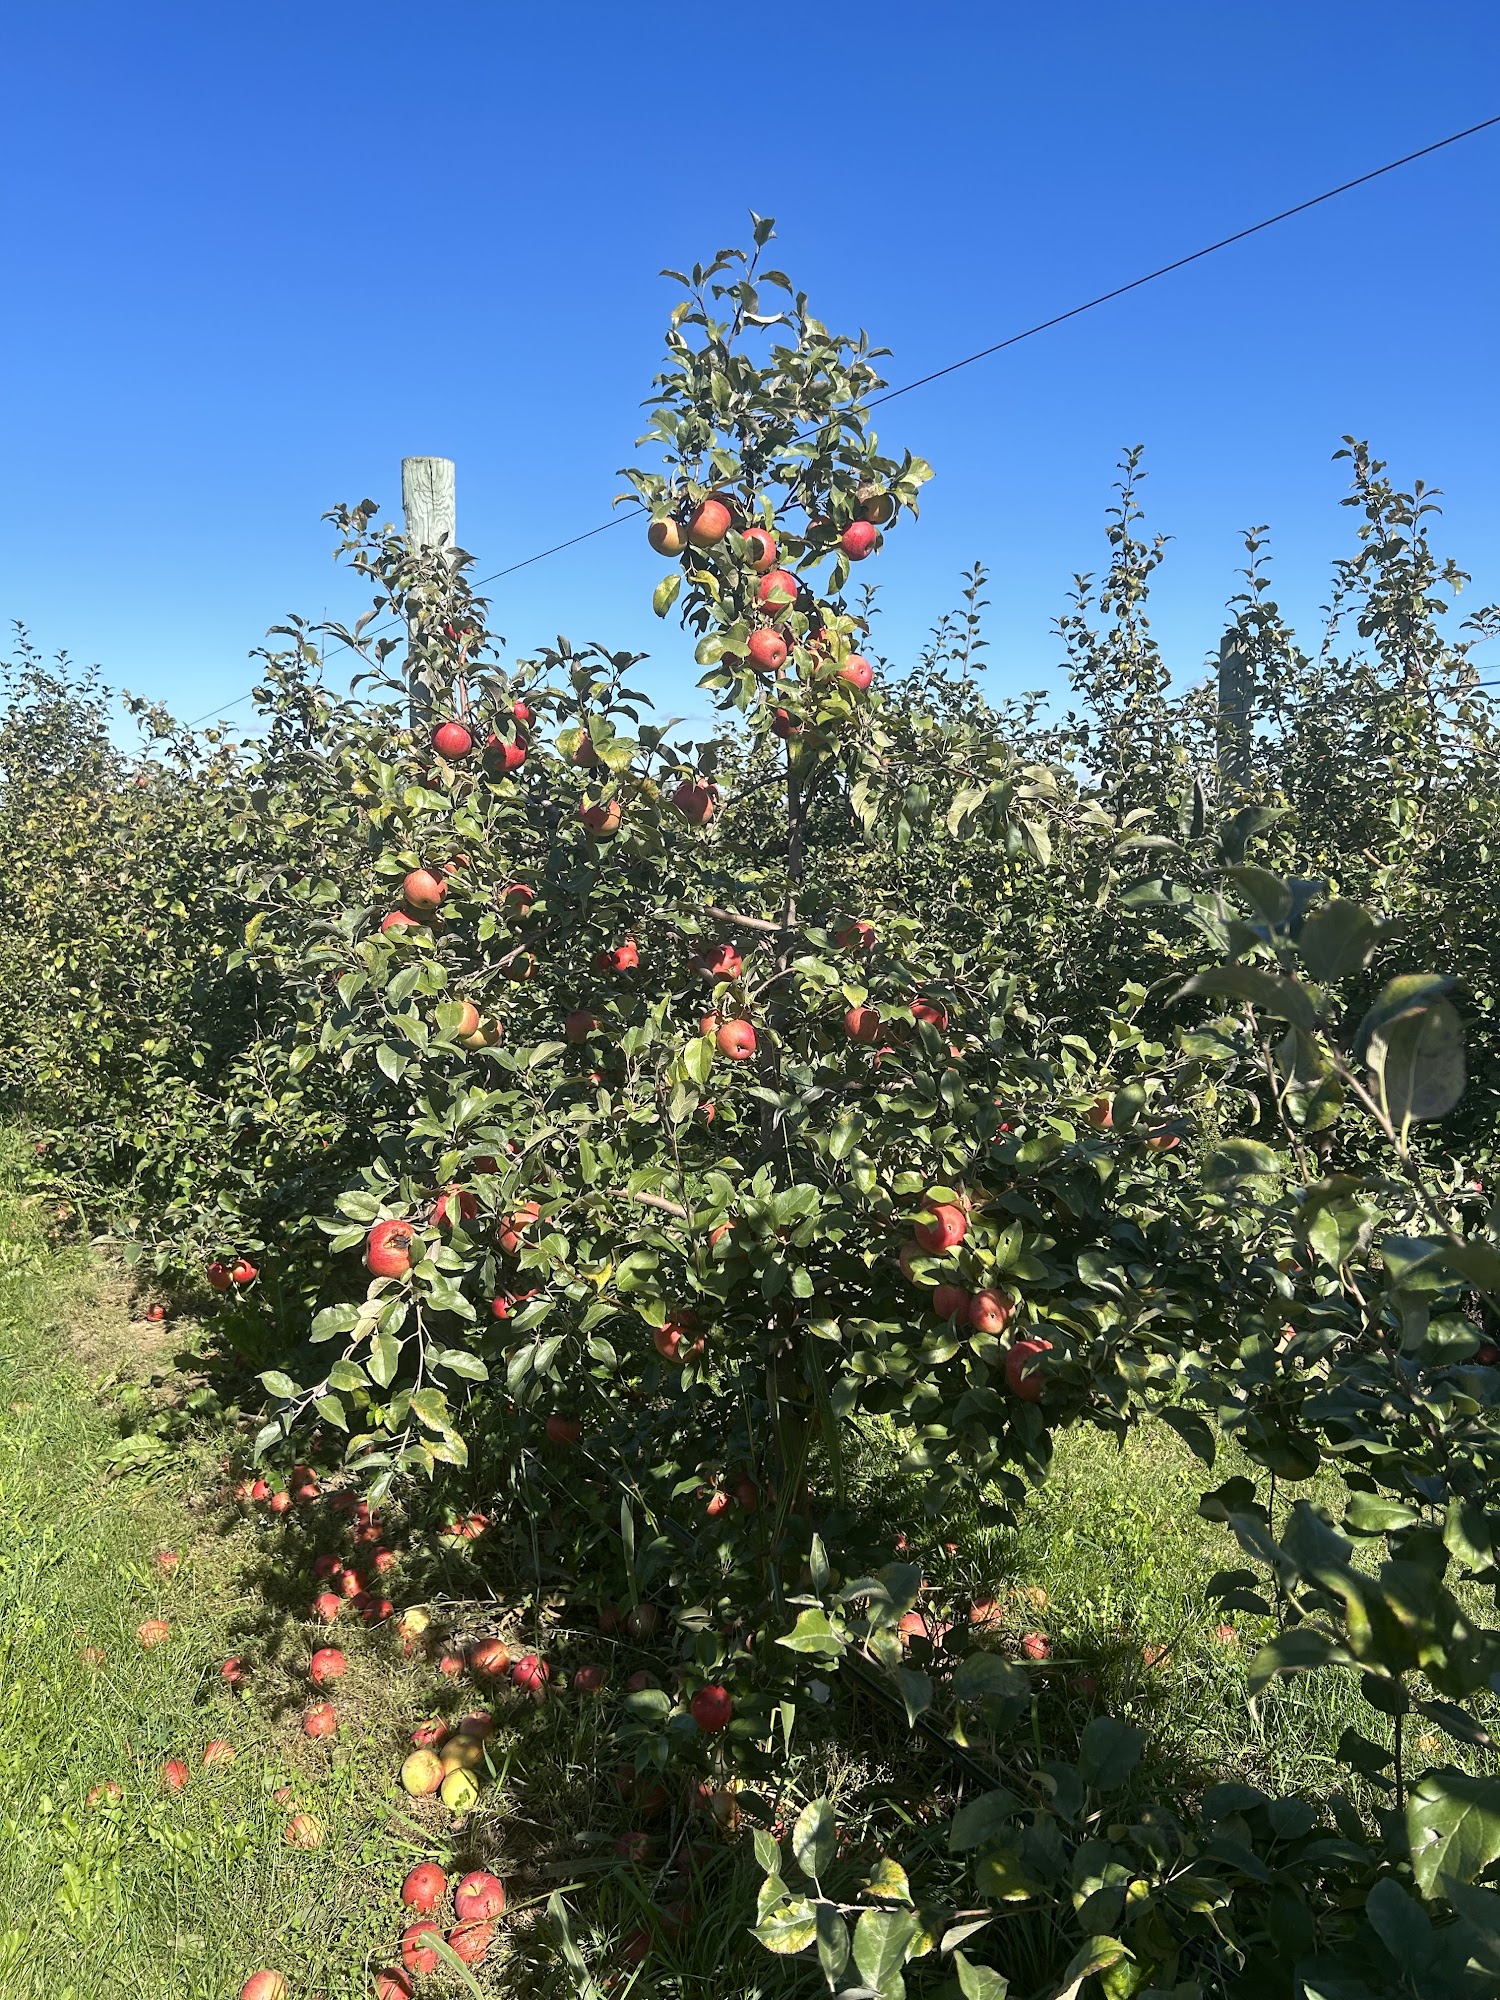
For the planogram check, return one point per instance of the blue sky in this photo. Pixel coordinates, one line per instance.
(254, 255)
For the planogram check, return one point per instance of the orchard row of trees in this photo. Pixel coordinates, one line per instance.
(890, 1070)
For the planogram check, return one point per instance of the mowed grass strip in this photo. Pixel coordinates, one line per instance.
(151, 1893)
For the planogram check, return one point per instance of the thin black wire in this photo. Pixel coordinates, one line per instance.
(1027, 333)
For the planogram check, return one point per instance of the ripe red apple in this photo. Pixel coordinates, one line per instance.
(327, 1605)
(602, 820)
(1101, 1113)
(709, 524)
(393, 1984)
(767, 650)
(777, 592)
(531, 1674)
(280, 1503)
(947, 1229)
(430, 1735)
(783, 726)
(218, 1275)
(579, 1026)
(711, 1708)
(748, 1495)
(639, 1681)
(503, 754)
(516, 1226)
(471, 1941)
(695, 802)
(322, 1719)
(468, 1021)
(950, 1301)
(1036, 1645)
(152, 1632)
(234, 1673)
(396, 921)
(479, 1897)
(930, 1011)
(858, 539)
(326, 1665)
(588, 1680)
(862, 1024)
(736, 1040)
(489, 1658)
(761, 548)
(166, 1560)
(643, 1621)
(388, 1248)
(563, 1430)
(452, 740)
(422, 891)
(156, 1312)
(624, 957)
(1023, 1369)
(856, 936)
(218, 1752)
(716, 1504)
(424, 1888)
(668, 538)
(857, 672)
(991, 1312)
(349, 1584)
(265, 1986)
(416, 1955)
(174, 1774)
(516, 901)
(719, 961)
(453, 1206)
(243, 1271)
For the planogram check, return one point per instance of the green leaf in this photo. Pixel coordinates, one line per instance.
(814, 1838)
(882, 1940)
(1267, 992)
(385, 1357)
(1110, 1752)
(277, 1384)
(1236, 1159)
(790, 1927)
(978, 1982)
(1337, 940)
(1302, 1650)
(665, 594)
(1417, 1060)
(1453, 1824)
(812, 1633)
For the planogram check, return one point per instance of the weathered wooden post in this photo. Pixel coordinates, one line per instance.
(1236, 689)
(429, 501)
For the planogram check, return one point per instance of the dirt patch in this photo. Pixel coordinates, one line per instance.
(105, 1329)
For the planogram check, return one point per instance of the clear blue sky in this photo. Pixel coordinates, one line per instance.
(253, 255)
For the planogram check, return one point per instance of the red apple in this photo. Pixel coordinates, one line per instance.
(327, 1605)
(489, 1658)
(479, 1897)
(452, 740)
(219, 1276)
(152, 1632)
(1036, 1645)
(174, 1774)
(453, 1206)
(856, 936)
(950, 1301)
(602, 819)
(668, 537)
(322, 1719)
(515, 1227)
(1101, 1113)
(857, 672)
(327, 1664)
(502, 754)
(398, 920)
(588, 1680)
(991, 1312)
(1023, 1369)
(393, 1984)
(563, 1430)
(265, 1986)
(471, 1941)
(424, 1888)
(516, 901)
(761, 548)
(422, 891)
(767, 650)
(709, 524)
(930, 1011)
(947, 1229)
(858, 539)
(711, 1708)
(531, 1674)
(217, 1752)
(624, 957)
(736, 1040)
(416, 1955)
(430, 1735)
(695, 802)
(862, 1024)
(579, 1026)
(156, 1312)
(777, 592)
(388, 1248)
(783, 726)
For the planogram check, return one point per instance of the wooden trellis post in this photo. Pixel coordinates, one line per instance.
(429, 501)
